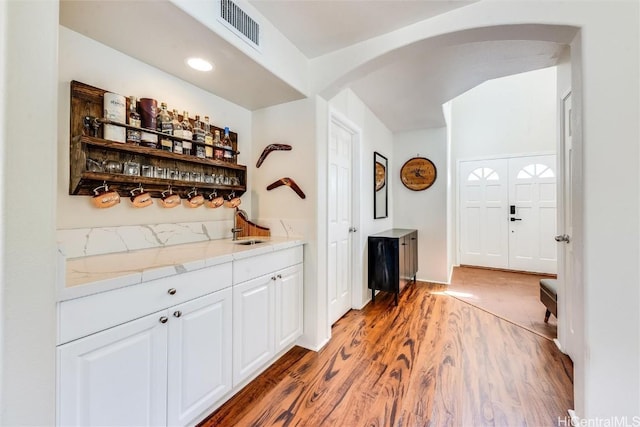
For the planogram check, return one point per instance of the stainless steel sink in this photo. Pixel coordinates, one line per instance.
(249, 242)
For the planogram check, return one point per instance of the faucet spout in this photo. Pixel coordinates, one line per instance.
(235, 230)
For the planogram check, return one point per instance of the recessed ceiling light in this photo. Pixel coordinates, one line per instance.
(199, 64)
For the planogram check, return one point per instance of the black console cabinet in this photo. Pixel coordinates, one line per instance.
(393, 260)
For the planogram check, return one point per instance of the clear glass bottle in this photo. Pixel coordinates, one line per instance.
(187, 134)
(218, 152)
(133, 136)
(208, 139)
(163, 123)
(228, 147)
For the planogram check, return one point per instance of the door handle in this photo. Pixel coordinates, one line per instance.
(516, 219)
(563, 238)
(352, 229)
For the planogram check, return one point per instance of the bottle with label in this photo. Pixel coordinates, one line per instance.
(208, 139)
(218, 152)
(163, 123)
(133, 135)
(187, 134)
(176, 124)
(228, 147)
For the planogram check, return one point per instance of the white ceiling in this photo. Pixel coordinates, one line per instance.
(318, 27)
(406, 91)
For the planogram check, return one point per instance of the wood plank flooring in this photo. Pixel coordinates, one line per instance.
(514, 296)
(431, 361)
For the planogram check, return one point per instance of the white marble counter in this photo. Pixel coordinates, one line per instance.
(99, 273)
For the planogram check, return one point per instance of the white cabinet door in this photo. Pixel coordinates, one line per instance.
(288, 308)
(116, 377)
(253, 326)
(199, 355)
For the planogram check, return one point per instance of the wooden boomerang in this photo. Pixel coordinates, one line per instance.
(289, 183)
(269, 148)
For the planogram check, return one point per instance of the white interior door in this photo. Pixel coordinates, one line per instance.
(483, 213)
(532, 215)
(339, 216)
(570, 296)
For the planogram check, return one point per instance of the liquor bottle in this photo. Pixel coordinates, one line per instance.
(176, 124)
(163, 123)
(133, 135)
(218, 152)
(177, 131)
(198, 136)
(208, 139)
(187, 134)
(226, 143)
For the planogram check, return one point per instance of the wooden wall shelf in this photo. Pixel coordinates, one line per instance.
(87, 106)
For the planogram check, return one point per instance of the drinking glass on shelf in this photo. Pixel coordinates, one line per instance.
(161, 172)
(131, 168)
(147, 171)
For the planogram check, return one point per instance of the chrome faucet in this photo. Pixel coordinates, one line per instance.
(235, 230)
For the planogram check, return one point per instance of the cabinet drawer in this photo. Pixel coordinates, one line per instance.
(84, 316)
(250, 268)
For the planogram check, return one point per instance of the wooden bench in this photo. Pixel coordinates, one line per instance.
(549, 297)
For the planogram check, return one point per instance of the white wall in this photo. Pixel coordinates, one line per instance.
(424, 210)
(28, 71)
(375, 137)
(506, 116)
(88, 61)
(281, 209)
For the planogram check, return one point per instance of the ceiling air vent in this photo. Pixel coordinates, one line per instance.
(238, 20)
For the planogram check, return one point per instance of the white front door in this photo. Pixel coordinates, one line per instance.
(532, 214)
(508, 213)
(339, 219)
(483, 204)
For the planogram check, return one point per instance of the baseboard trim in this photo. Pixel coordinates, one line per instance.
(554, 276)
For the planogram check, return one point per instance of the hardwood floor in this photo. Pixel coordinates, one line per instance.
(514, 296)
(431, 361)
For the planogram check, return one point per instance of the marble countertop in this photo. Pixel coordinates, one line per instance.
(92, 274)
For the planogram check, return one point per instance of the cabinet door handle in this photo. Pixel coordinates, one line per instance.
(163, 319)
(177, 313)
(279, 276)
(172, 291)
(273, 278)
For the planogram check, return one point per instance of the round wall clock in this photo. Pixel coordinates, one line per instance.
(418, 173)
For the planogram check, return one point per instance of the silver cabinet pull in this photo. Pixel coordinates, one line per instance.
(279, 276)
(273, 278)
(172, 291)
(177, 313)
(163, 319)
(563, 238)
(352, 229)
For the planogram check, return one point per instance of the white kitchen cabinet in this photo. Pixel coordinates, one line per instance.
(288, 307)
(253, 326)
(116, 377)
(165, 368)
(267, 313)
(199, 371)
